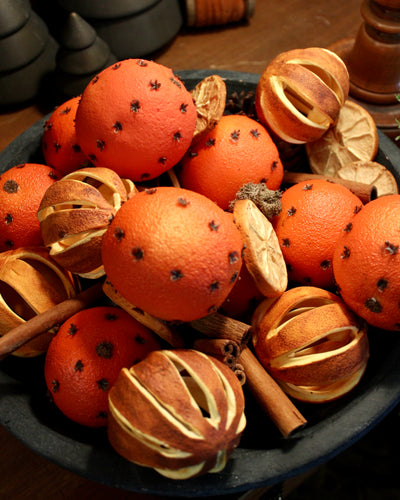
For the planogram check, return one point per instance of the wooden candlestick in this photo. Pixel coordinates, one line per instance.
(373, 62)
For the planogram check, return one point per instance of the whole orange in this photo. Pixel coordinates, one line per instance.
(85, 357)
(137, 118)
(21, 190)
(314, 215)
(238, 150)
(366, 263)
(173, 253)
(59, 143)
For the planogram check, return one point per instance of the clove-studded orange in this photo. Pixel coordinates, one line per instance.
(137, 118)
(314, 215)
(366, 263)
(21, 190)
(172, 253)
(85, 357)
(237, 151)
(59, 143)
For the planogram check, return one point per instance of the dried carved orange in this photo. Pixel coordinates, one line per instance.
(74, 215)
(30, 283)
(312, 344)
(300, 93)
(180, 412)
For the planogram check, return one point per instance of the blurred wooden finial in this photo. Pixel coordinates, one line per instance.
(373, 61)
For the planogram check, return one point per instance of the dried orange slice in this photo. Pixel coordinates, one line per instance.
(262, 255)
(371, 173)
(353, 138)
(209, 96)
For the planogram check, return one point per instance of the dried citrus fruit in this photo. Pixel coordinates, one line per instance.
(312, 344)
(300, 93)
(172, 253)
(262, 254)
(31, 283)
(313, 217)
(136, 118)
(180, 412)
(59, 143)
(236, 151)
(74, 214)
(209, 96)
(85, 357)
(371, 173)
(366, 263)
(21, 190)
(354, 137)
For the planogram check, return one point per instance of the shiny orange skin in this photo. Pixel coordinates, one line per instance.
(85, 357)
(314, 215)
(137, 118)
(366, 263)
(173, 253)
(238, 150)
(59, 142)
(21, 190)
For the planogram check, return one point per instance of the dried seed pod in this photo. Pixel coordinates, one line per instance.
(301, 92)
(75, 213)
(180, 412)
(30, 283)
(311, 343)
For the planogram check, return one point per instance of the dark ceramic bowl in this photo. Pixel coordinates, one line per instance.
(263, 457)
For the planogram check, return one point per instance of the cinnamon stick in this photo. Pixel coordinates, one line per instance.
(46, 320)
(267, 392)
(219, 326)
(238, 370)
(270, 396)
(366, 192)
(226, 350)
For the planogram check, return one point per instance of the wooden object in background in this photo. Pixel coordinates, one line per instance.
(373, 60)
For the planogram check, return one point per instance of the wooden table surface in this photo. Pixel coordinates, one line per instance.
(276, 26)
